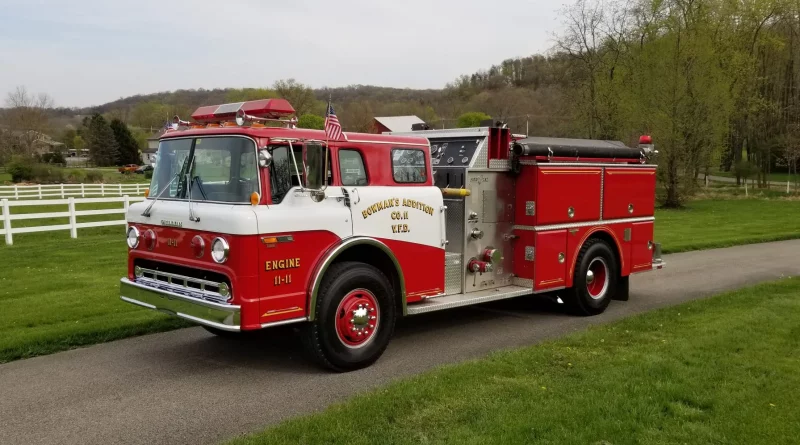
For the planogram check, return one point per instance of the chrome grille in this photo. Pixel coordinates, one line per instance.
(181, 284)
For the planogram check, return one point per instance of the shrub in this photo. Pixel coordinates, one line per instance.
(94, 176)
(47, 174)
(54, 158)
(76, 176)
(148, 174)
(20, 169)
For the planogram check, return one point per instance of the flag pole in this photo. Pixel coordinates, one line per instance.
(327, 142)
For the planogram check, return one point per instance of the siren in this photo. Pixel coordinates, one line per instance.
(263, 110)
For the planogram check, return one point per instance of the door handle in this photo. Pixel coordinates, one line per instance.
(355, 199)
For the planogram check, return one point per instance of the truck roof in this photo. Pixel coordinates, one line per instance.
(295, 133)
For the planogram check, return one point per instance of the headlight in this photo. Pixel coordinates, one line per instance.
(220, 250)
(133, 237)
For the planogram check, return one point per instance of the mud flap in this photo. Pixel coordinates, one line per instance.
(623, 289)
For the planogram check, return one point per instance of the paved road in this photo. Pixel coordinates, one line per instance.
(733, 180)
(189, 387)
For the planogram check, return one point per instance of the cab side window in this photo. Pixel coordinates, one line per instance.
(408, 165)
(351, 167)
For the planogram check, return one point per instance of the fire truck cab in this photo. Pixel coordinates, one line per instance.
(251, 223)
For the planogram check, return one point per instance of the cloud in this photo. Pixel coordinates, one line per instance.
(91, 51)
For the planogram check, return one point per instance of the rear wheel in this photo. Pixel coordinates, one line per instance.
(354, 317)
(595, 279)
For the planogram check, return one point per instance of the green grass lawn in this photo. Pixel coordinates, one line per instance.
(723, 370)
(58, 293)
(709, 224)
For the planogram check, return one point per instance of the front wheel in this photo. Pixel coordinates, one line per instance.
(595, 280)
(354, 317)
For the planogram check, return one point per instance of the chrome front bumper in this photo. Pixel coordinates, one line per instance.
(221, 316)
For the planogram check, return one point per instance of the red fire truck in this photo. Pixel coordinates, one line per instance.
(251, 223)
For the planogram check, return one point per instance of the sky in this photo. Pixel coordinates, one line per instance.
(89, 52)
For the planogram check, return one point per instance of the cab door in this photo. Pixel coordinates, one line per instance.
(399, 209)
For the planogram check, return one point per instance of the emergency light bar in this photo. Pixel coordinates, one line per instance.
(272, 109)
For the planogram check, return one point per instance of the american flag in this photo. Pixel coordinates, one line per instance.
(333, 129)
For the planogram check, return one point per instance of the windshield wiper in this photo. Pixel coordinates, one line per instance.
(166, 187)
(190, 181)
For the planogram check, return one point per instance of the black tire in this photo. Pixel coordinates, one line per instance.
(222, 333)
(589, 296)
(322, 338)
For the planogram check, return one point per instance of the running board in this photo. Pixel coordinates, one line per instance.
(459, 300)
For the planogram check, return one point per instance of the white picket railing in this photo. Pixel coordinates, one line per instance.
(8, 230)
(49, 191)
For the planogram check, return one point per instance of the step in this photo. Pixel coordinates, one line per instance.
(459, 300)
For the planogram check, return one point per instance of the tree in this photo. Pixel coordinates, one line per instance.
(311, 121)
(128, 147)
(472, 119)
(247, 94)
(103, 149)
(27, 119)
(300, 96)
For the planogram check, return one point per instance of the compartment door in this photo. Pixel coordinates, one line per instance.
(629, 192)
(550, 262)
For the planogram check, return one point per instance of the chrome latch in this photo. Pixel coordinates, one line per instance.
(530, 208)
(529, 253)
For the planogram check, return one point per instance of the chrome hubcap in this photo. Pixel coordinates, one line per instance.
(597, 278)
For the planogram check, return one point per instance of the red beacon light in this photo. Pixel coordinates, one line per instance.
(264, 109)
(646, 146)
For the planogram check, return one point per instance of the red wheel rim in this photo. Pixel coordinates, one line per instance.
(597, 278)
(357, 318)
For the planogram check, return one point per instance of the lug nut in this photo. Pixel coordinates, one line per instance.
(372, 309)
(372, 326)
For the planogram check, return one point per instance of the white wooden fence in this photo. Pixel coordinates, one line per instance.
(8, 230)
(50, 191)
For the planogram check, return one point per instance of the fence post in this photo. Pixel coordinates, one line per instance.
(102, 190)
(40, 191)
(120, 189)
(62, 191)
(16, 192)
(83, 193)
(73, 224)
(127, 204)
(7, 222)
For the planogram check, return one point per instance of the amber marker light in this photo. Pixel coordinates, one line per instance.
(146, 193)
(254, 198)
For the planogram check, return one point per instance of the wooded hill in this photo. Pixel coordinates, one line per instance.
(715, 82)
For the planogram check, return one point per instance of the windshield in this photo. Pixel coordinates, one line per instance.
(217, 169)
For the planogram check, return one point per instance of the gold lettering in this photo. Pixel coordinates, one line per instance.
(288, 263)
(364, 213)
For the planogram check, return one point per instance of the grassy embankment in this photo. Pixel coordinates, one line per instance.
(58, 293)
(722, 370)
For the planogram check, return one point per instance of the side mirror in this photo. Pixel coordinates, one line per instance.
(264, 158)
(315, 164)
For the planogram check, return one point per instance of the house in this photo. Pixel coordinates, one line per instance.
(394, 123)
(38, 143)
(149, 154)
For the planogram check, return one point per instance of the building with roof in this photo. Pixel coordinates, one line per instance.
(394, 123)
